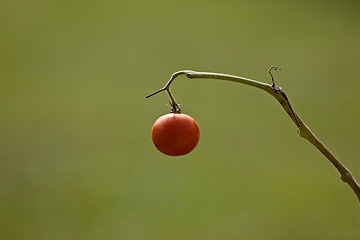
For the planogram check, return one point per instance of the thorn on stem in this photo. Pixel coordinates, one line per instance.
(272, 77)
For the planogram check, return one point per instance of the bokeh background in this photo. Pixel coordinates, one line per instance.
(76, 156)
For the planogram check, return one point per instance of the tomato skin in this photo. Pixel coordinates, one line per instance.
(175, 134)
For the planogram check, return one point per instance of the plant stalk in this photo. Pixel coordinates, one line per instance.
(281, 97)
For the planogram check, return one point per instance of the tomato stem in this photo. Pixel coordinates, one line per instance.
(175, 107)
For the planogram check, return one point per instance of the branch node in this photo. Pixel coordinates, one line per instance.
(345, 177)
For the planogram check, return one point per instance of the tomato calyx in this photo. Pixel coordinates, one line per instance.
(174, 108)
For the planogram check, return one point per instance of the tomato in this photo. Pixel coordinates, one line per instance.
(175, 134)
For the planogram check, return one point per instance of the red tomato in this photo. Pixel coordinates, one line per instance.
(175, 134)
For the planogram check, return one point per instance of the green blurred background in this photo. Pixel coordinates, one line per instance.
(76, 156)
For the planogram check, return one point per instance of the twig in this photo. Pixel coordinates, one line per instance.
(281, 97)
